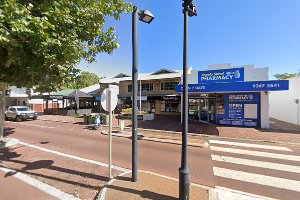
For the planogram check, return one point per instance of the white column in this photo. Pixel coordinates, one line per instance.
(264, 110)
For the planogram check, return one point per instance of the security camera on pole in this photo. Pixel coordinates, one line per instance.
(189, 9)
(109, 100)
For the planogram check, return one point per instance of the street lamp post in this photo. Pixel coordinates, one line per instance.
(189, 9)
(147, 17)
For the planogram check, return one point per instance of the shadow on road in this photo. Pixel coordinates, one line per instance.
(8, 131)
(39, 168)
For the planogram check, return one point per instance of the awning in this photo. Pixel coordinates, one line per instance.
(250, 86)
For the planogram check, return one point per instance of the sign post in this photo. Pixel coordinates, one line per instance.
(109, 100)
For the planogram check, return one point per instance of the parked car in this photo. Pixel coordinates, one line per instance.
(20, 113)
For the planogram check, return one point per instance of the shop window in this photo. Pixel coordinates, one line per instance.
(170, 106)
(168, 85)
(146, 87)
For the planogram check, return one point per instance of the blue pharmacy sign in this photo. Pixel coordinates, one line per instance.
(221, 75)
(240, 109)
(251, 86)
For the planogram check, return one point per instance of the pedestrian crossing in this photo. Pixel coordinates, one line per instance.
(266, 170)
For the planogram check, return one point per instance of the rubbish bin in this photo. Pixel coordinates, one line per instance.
(85, 119)
(105, 119)
(91, 119)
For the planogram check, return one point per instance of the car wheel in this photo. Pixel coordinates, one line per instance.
(18, 119)
(35, 118)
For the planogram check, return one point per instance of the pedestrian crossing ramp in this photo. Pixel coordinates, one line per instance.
(255, 171)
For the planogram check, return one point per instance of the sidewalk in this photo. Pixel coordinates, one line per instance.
(149, 186)
(12, 188)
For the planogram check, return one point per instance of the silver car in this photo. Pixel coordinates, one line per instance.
(20, 113)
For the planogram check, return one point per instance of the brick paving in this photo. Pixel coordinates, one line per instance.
(280, 131)
(150, 186)
(77, 178)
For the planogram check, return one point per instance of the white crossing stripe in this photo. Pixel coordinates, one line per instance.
(255, 163)
(260, 146)
(258, 179)
(227, 193)
(256, 153)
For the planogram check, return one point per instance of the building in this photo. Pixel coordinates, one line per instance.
(16, 96)
(284, 105)
(231, 95)
(156, 92)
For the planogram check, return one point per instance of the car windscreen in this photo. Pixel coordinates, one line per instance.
(23, 109)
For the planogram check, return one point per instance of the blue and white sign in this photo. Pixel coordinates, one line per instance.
(241, 109)
(251, 86)
(242, 97)
(221, 75)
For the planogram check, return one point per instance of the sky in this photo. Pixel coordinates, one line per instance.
(265, 33)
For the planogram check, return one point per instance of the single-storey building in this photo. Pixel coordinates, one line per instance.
(231, 95)
(285, 105)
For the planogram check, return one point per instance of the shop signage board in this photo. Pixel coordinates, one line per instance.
(251, 86)
(98, 98)
(170, 98)
(242, 97)
(241, 109)
(221, 75)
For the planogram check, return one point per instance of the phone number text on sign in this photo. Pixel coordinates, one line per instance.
(275, 85)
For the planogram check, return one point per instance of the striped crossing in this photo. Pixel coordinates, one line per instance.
(267, 167)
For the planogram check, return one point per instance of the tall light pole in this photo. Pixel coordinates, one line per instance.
(147, 17)
(189, 9)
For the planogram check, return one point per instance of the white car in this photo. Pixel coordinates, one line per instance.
(20, 113)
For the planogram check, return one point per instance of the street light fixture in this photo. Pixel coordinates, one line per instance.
(189, 9)
(147, 17)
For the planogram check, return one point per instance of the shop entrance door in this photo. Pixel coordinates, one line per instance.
(202, 109)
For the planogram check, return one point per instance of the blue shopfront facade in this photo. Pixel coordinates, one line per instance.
(236, 96)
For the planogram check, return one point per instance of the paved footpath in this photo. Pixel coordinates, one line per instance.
(13, 188)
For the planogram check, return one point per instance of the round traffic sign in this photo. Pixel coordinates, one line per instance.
(114, 98)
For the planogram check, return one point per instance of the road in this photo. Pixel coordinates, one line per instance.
(267, 170)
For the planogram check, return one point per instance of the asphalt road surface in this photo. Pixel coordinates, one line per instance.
(267, 170)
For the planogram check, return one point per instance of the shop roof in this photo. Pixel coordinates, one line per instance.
(92, 90)
(63, 92)
(157, 75)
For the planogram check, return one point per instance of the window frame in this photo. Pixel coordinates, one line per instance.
(163, 86)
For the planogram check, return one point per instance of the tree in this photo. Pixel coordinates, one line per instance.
(86, 79)
(286, 75)
(83, 80)
(41, 41)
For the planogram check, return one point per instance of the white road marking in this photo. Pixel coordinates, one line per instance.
(226, 194)
(72, 128)
(40, 185)
(105, 188)
(258, 179)
(38, 125)
(255, 163)
(250, 145)
(9, 143)
(256, 153)
(73, 157)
